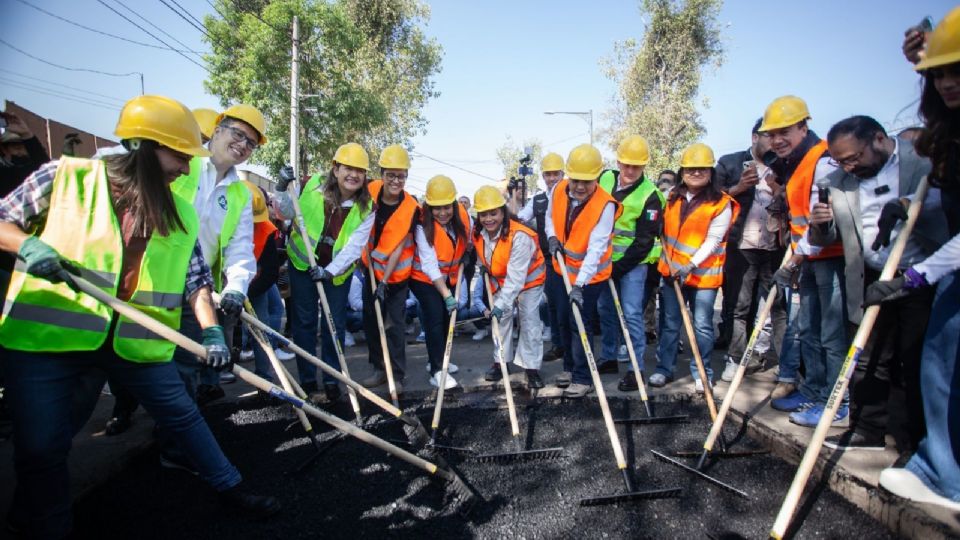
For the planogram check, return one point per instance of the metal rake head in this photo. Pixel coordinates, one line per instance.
(632, 496)
(675, 419)
(543, 454)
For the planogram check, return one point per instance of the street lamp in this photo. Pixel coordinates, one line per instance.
(587, 116)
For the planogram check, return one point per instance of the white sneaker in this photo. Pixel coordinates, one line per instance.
(348, 339)
(729, 370)
(545, 335)
(698, 386)
(246, 355)
(284, 356)
(481, 334)
(450, 382)
(451, 368)
(904, 483)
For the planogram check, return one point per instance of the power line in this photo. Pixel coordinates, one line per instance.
(25, 53)
(29, 86)
(198, 21)
(61, 85)
(151, 23)
(184, 17)
(64, 97)
(150, 34)
(455, 166)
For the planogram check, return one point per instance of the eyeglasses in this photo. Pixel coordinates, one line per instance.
(395, 177)
(848, 161)
(239, 136)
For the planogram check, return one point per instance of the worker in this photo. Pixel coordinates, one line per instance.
(116, 223)
(579, 226)
(442, 238)
(636, 244)
(207, 119)
(695, 224)
(389, 253)
(337, 212)
(509, 257)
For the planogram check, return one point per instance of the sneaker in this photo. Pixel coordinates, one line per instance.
(555, 353)
(628, 383)
(545, 335)
(810, 416)
(227, 377)
(608, 366)
(577, 390)
(563, 380)
(481, 334)
(450, 382)
(246, 355)
(658, 380)
(376, 379)
(698, 386)
(422, 337)
(622, 354)
(729, 370)
(349, 340)
(852, 440)
(907, 485)
(493, 374)
(170, 461)
(793, 402)
(250, 504)
(284, 356)
(451, 368)
(782, 390)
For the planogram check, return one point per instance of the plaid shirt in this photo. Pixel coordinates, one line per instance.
(26, 206)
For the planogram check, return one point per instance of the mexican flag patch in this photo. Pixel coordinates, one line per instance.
(652, 215)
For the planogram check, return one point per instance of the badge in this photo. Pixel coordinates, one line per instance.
(222, 201)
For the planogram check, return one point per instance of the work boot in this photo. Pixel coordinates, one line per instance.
(577, 390)
(255, 506)
(493, 374)
(628, 383)
(533, 379)
(563, 380)
(117, 425)
(608, 366)
(556, 353)
(376, 379)
(782, 390)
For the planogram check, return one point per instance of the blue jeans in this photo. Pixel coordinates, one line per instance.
(304, 321)
(186, 362)
(790, 349)
(937, 461)
(261, 305)
(43, 393)
(574, 357)
(701, 305)
(823, 326)
(631, 289)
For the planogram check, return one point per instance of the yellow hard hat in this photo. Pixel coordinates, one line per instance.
(250, 115)
(633, 151)
(394, 157)
(352, 155)
(440, 191)
(584, 163)
(783, 112)
(697, 155)
(258, 203)
(161, 119)
(488, 198)
(551, 162)
(207, 118)
(943, 44)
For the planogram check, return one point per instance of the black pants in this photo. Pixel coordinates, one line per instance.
(755, 282)
(733, 269)
(892, 356)
(393, 326)
(435, 321)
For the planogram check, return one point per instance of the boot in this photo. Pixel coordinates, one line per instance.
(533, 379)
(251, 504)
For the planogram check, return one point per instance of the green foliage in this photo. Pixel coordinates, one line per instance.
(658, 79)
(509, 155)
(367, 62)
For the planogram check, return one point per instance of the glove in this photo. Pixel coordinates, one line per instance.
(451, 303)
(381, 293)
(218, 355)
(891, 213)
(885, 291)
(318, 274)
(555, 247)
(41, 260)
(286, 176)
(576, 296)
(784, 277)
(685, 271)
(497, 314)
(231, 303)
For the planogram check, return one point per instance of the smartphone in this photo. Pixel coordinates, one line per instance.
(748, 164)
(926, 25)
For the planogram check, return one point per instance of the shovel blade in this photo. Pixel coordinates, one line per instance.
(632, 496)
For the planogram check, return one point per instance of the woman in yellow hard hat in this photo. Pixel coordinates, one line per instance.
(442, 239)
(933, 474)
(508, 253)
(116, 223)
(695, 223)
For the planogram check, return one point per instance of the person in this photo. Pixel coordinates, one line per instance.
(579, 225)
(389, 253)
(116, 223)
(338, 214)
(932, 475)
(465, 203)
(695, 225)
(442, 241)
(207, 120)
(802, 159)
(651, 289)
(509, 257)
(636, 244)
(754, 253)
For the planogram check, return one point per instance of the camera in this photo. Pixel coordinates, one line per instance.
(525, 168)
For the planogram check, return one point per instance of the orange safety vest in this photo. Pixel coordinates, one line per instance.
(576, 244)
(395, 231)
(799, 188)
(448, 252)
(497, 265)
(262, 231)
(683, 239)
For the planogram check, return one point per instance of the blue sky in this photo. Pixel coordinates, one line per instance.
(504, 64)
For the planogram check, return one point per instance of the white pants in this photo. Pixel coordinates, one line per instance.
(529, 353)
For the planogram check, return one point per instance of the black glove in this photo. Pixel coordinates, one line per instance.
(785, 276)
(318, 274)
(884, 291)
(231, 302)
(891, 213)
(576, 296)
(286, 176)
(555, 247)
(381, 293)
(617, 272)
(218, 355)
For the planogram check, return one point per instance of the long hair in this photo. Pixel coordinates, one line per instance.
(504, 226)
(331, 192)
(940, 139)
(426, 219)
(710, 191)
(143, 190)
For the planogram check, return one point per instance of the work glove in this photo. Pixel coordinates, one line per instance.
(286, 176)
(451, 303)
(381, 292)
(497, 314)
(885, 291)
(231, 303)
(218, 355)
(43, 261)
(576, 296)
(555, 247)
(785, 277)
(684, 272)
(891, 213)
(318, 274)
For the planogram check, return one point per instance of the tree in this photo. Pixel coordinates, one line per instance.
(366, 71)
(658, 80)
(509, 155)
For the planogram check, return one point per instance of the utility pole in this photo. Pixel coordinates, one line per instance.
(295, 101)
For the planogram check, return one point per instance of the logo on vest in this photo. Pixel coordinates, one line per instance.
(652, 215)
(222, 201)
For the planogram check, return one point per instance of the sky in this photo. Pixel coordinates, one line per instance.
(504, 64)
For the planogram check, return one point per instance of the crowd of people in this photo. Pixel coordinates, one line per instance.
(164, 221)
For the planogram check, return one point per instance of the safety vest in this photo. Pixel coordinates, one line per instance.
(799, 188)
(261, 232)
(313, 207)
(395, 231)
(448, 251)
(625, 229)
(238, 196)
(683, 239)
(576, 244)
(82, 226)
(500, 257)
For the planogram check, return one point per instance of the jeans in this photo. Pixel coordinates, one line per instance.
(393, 326)
(630, 291)
(701, 303)
(734, 267)
(823, 327)
(554, 290)
(574, 356)
(262, 367)
(188, 366)
(434, 321)
(305, 323)
(789, 370)
(44, 391)
(755, 283)
(937, 461)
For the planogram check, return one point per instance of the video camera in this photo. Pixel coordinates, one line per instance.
(523, 171)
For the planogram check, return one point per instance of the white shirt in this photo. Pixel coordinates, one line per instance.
(521, 256)
(429, 262)
(824, 167)
(597, 243)
(756, 233)
(355, 295)
(942, 262)
(715, 233)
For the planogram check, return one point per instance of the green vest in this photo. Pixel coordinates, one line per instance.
(625, 229)
(312, 206)
(237, 198)
(81, 225)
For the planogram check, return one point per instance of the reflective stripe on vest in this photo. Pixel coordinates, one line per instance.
(395, 231)
(683, 239)
(625, 229)
(81, 225)
(500, 258)
(576, 245)
(799, 190)
(448, 254)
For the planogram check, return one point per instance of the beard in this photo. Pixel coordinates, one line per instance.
(869, 171)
